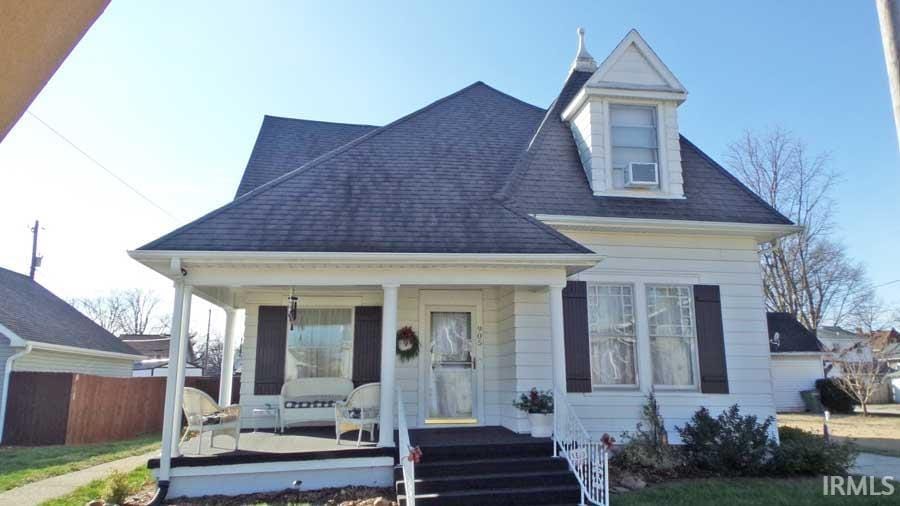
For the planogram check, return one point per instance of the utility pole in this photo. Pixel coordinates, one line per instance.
(889, 20)
(35, 260)
(206, 350)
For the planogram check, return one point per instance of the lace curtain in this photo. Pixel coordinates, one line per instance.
(450, 381)
(612, 333)
(321, 344)
(670, 312)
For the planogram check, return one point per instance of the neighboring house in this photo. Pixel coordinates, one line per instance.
(588, 247)
(887, 346)
(842, 345)
(155, 349)
(41, 332)
(796, 360)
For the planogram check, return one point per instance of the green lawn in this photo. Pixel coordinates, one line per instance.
(94, 490)
(21, 465)
(747, 492)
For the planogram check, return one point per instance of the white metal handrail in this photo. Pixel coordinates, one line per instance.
(404, 450)
(587, 458)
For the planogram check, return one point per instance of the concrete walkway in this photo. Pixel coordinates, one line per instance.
(870, 464)
(50, 488)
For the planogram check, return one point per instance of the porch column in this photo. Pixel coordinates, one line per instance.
(180, 360)
(557, 338)
(388, 360)
(171, 384)
(227, 372)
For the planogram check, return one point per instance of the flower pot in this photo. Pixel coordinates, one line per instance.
(541, 424)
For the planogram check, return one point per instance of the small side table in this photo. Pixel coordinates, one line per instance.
(267, 411)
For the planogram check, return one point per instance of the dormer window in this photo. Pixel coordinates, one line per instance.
(634, 146)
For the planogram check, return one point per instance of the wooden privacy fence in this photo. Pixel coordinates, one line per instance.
(66, 408)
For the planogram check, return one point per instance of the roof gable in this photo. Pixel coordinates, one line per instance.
(422, 184)
(34, 313)
(634, 64)
(787, 335)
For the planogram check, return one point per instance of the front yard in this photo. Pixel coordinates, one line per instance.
(747, 492)
(874, 433)
(21, 465)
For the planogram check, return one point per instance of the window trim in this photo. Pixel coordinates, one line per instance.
(661, 153)
(695, 352)
(636, 386)
(351, 308)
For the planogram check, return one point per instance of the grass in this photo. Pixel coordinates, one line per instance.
(95, 489)
(21, 465)
(873, 433)
(748, 492)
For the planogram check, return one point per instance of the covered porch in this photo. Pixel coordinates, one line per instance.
(502, 316)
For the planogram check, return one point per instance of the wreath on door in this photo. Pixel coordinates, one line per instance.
(407, 344)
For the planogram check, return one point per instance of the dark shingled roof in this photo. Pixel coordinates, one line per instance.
(550, 179)
(792, 336)
(422, 184)
(462, 175)
(283, 144)
(33, 313)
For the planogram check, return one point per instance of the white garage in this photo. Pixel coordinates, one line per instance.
(796, 361)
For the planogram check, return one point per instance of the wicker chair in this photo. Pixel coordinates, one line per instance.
(359, 412)
(204, 415)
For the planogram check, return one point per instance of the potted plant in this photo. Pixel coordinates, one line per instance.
(539, 406)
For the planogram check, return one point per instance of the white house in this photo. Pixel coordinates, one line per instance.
(39, 332)
(797, 360)
(587, 248)
(155, 349)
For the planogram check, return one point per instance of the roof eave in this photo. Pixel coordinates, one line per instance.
(761, 232)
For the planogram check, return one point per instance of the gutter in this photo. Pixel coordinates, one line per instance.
(7, 373)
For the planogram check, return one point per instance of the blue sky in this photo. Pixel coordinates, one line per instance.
(170, 96)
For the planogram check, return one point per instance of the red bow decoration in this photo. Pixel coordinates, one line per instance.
(608, 441)
(415, 454)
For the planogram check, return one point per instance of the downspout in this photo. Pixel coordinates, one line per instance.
(7, 373)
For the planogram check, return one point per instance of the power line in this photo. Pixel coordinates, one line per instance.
(98, 164)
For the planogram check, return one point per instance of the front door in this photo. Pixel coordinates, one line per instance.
(451, 353)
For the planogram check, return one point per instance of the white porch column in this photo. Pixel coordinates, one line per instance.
(388, 360)
(171, 385)
(180, 360)
(227, 372)
(557, 337)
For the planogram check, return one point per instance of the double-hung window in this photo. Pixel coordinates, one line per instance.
(321, 344)
(633, 138)
(612, 334)
(673, 335)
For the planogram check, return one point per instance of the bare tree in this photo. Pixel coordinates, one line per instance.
(807, 274)
(125, 311)
(210, 359)
(862, 371)
(105, 310)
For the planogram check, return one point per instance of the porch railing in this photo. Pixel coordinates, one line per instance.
(587, 458)
(403, 451)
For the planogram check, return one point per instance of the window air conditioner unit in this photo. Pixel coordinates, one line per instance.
(641, 175)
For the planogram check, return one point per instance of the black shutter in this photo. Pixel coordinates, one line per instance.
(367, 345)
(271, 340)
(710, 340)
(578, 348)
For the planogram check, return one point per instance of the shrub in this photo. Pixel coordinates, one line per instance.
(535, 401)
(804, 453)
(117, 488)
(833, 397)
(730, 444)
(647, 448)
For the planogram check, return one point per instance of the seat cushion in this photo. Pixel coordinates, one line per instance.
(312, 401)
(219, 418)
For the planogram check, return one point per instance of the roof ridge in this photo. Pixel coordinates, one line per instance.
(507, 95)
(734, 179)
(312, 163)
(304, 120)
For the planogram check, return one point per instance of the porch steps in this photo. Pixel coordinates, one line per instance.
(503, 474)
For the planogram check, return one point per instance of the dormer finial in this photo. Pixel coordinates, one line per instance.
(584, 62)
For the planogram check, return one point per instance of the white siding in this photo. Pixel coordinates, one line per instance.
(790, 375)
(55, 361)
(729, 262)
(633, 68)
(6, 351)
